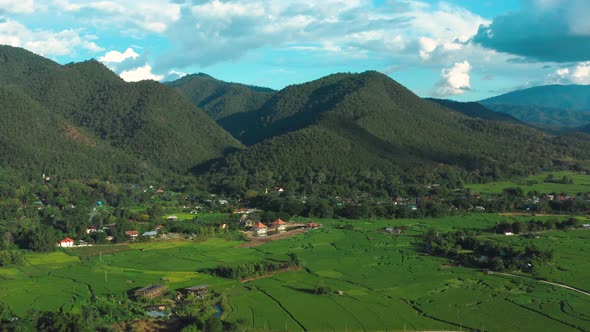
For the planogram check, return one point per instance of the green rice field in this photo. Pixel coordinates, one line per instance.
(536, 183)
(387, 283)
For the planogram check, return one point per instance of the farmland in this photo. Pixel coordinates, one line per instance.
(387, 282)
(536, 183)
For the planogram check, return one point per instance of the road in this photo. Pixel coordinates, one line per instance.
(544, 282)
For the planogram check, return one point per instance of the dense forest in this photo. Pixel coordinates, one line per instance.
(366, 131)
(220, 99)
(82, 120)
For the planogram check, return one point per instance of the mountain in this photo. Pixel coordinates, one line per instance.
(356, 130)
(475, 110)
(221, 99)
(85, 109)
(547, 106)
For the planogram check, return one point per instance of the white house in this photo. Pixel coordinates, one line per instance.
(260, 229)
(67, 242)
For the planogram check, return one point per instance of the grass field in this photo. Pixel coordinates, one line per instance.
(535, 183)
(387, 282)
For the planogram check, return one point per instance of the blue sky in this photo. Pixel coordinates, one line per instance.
(463, 50)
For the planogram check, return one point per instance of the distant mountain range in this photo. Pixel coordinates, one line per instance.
(552, 106)
(341, 132)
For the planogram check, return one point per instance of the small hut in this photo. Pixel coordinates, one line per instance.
(151, 292)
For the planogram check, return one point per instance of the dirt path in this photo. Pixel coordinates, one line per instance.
(255, 241)
(544, 282)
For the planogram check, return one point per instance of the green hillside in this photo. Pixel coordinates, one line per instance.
(33, 139)
(475, 110)
(151, 123)
(220, 99)
(360, 130)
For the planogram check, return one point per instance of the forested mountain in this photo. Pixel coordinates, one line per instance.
(475, 110)
(83, 116)
(548, 106)
(366, 130)
(221, 99)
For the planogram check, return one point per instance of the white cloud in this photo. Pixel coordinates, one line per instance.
(455, 80)
(117, 57)
(215, 31)
(139, 74)
(150, 15)
(427, 46)
(45, 42)
(17, 6)
(576, 74)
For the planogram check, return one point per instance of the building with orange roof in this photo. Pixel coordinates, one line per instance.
(260, 229)
(280, 225)
(67, 242)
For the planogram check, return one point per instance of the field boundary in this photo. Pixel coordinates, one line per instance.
(544, 282)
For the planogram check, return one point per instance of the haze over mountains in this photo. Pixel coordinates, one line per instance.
(546, 106)
(82, 120)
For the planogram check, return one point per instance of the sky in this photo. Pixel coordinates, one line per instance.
(456, 49)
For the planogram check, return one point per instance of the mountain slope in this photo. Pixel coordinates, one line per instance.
(220, 99)
(569, 97)
(357, 128)
(549, 106)
(146, 120)
(31, 138)
(475, 110)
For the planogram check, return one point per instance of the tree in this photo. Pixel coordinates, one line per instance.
(213, 324)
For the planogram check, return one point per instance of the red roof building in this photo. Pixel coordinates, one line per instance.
(67, 242)
(260, 228)
(280, 225)
(132, 233)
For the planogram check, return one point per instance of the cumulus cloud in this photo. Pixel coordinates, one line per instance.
(210, 32)
(118, 57)
(543, 30)
(576, 74)
(455, 80)
(139, 74)
(46, 42)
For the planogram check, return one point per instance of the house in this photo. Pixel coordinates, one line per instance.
(91, 229)
(260, 229)
(172, 218)
(151, 292)
(132, 234)
(312, 225)
(479, 208)
(241, 210)
(200, 290)
(393, 230)
(67, 242)
(223, 226)
(150, 233)
(248, 222)
(586, 226)
(280, 225)
(159, 227)
(508, 233)
(222, 201)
